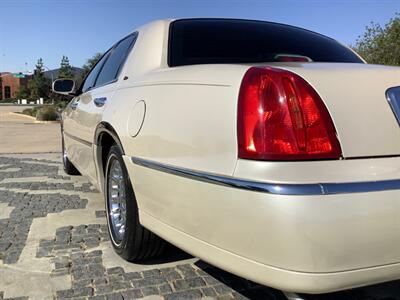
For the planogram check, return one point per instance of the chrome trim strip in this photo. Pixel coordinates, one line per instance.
(270, 188)
(393, 97)
(360, 187)
(307, 189)
(86, 143)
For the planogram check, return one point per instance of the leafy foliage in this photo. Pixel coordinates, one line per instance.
(35, 110)
(39, 86)
(47, 113)
(65, 68)
(22, 93)
(31, 111)
(88, 66)
(381, 45)
(27, 111)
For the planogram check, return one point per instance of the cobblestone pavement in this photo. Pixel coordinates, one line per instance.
(54, 245)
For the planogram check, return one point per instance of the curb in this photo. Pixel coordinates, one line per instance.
(17, 105)
(24, 153)
(22, 115)
(33, 118)
(46, 122)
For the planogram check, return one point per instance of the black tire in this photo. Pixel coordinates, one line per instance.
(69, 168)
(138, 243)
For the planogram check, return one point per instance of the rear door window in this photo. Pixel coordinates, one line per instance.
(114, 63)
(91, 77)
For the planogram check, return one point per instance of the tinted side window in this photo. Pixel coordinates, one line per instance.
(208, 41)
(113, 65)
(91, 78)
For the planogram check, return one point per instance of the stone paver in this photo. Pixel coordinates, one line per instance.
(56, 225)
(54, 245)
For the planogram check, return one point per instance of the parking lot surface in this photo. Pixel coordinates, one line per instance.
(54, 244)
(20, 134)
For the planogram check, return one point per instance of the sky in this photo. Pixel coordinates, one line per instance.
(49, 29)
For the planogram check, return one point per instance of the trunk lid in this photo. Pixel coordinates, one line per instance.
(355, 95)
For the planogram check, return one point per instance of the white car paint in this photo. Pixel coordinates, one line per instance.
(300, 243)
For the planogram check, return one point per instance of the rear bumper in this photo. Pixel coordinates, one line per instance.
(286, 280)
(310, 241)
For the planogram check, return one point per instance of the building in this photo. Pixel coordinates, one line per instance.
(10, 83)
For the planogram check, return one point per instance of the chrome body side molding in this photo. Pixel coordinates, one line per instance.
(271, 187)
(86, 143)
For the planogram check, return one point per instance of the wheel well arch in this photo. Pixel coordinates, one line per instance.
(105, 136)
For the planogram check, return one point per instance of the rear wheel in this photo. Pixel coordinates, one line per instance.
(69, 168)
(129, 238)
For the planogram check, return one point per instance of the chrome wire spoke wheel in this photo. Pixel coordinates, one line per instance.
(116, 201)
(129, 238)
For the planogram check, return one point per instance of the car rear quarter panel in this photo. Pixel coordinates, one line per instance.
(190, 120)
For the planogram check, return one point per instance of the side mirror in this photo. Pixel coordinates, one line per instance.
(63, 86)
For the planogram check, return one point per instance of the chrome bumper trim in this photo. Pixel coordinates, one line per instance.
(307, 189)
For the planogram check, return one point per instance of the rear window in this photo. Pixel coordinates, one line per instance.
(213, 41)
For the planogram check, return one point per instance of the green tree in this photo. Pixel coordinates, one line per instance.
(88, 66)
(22, 93)
(39, 85)
(381, 45)
(65, 68)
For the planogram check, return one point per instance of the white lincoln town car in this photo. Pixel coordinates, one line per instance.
(270, 151)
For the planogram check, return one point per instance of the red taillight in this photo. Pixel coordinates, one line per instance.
(281, 117)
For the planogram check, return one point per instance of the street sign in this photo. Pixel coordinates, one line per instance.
(19, 75)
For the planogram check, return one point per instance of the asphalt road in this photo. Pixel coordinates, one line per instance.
(20, 134)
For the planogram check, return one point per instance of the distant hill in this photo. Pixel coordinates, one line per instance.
(54, 73)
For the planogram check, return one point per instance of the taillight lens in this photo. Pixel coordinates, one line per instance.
(281, 117)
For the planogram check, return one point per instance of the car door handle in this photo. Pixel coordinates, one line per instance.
(99, 102)
(74, 104)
